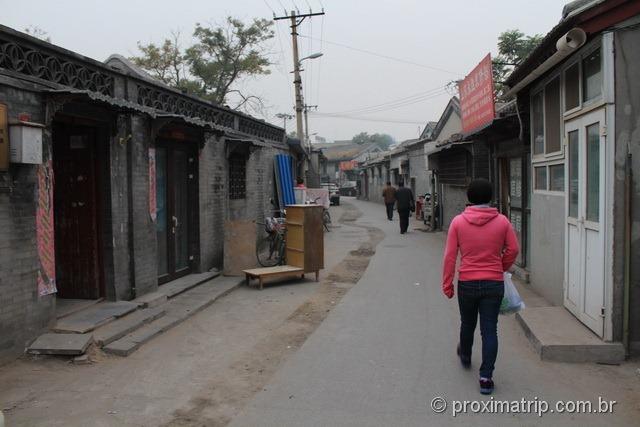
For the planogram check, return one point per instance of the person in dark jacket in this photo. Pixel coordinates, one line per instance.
(389, 196)
(405, 203)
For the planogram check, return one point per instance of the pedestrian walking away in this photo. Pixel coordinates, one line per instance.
(488, 247)
(405, 203)
(389, 196)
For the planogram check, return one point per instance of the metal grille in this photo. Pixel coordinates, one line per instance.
(237, 177)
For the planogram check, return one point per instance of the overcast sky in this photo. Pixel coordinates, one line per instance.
(434, 42)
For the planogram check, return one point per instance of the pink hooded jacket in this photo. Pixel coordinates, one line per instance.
(487, 243)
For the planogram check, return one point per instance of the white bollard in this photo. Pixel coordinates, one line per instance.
(1, 419)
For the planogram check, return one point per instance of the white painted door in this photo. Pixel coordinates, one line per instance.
(584, 249)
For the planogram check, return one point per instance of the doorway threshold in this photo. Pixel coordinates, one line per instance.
(68, 306)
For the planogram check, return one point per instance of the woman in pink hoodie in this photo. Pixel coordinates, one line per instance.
(488, 247)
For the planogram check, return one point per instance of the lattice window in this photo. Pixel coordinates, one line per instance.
(237, 177)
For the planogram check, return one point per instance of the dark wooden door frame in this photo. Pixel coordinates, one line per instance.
(66, 125)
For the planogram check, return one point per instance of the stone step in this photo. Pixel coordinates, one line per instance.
(126, 325)
(183, 284)
(150, 300)
(557, 335)
(93, 317)
(178, 310)
(60, 344)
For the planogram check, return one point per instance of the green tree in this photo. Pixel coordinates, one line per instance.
(513, 47)
(382, 140)
(221, 57)
(166, 63)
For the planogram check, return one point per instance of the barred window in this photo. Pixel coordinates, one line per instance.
(237, 177)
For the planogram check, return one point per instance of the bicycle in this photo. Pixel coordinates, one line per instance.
(326, 216)
(270, 248)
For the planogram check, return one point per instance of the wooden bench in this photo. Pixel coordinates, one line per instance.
(279, 271)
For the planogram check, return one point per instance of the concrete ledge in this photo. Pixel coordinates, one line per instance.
(558, 336)
(61, 344)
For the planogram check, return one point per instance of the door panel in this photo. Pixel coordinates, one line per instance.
(174, 181)
(75, 213)
(161, 211)
(180, 209)
(585, 255)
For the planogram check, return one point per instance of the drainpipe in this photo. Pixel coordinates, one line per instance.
(628, 181)
(565, 46)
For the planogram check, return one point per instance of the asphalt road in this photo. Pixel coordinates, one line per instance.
(388, 349)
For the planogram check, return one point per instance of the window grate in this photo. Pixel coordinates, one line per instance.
(237, 177)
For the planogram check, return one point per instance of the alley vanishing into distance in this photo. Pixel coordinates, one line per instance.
(371, 344)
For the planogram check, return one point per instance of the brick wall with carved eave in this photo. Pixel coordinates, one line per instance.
(23, 314)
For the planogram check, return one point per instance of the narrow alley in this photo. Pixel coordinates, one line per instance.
(388, 349)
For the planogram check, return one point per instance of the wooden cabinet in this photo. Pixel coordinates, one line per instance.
(305, 237)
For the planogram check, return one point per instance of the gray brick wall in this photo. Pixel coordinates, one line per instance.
(23, 314)
(144, 231)
(213, 201)
(116, 254)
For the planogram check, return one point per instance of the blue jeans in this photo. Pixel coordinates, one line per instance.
(480, 297)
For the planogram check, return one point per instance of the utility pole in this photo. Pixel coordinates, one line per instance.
(296, 20)
(306, 123)
(285, 117)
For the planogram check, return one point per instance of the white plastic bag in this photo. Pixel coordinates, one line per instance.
(511, 302)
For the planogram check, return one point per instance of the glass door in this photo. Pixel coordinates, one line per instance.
(174, 180)
(584, 265)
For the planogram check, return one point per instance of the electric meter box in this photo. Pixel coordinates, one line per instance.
(25, 141)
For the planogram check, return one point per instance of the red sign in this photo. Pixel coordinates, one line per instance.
(347, 166)
(476, 97)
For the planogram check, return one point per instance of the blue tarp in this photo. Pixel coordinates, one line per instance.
(284, 172)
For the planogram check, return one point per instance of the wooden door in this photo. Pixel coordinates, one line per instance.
(76, 212)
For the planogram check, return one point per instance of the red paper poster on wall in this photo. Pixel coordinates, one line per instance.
(45, 231)
(348, 165)
(476, 97)
(152, 184)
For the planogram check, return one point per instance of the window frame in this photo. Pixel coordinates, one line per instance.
(547, 190)
(582, 108)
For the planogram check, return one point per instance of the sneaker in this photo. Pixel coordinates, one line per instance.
(464, 360)
(486, 385)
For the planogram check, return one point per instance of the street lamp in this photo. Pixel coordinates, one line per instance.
(312, 56)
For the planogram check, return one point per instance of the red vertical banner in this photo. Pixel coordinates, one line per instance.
(476, 97)
(45, 231)
(152, 184)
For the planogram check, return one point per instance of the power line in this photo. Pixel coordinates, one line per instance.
(380, 120)
(402, 102)
(405, 61)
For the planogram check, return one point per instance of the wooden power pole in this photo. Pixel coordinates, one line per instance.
(296, 20)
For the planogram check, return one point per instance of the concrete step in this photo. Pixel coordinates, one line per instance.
(150, 300)
(183, 284)
(126, 325)
(93, 317)
(60, 344)
(178, 309)
(558, 336)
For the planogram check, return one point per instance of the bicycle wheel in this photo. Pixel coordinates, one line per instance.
(269, 250)
(326, 219)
